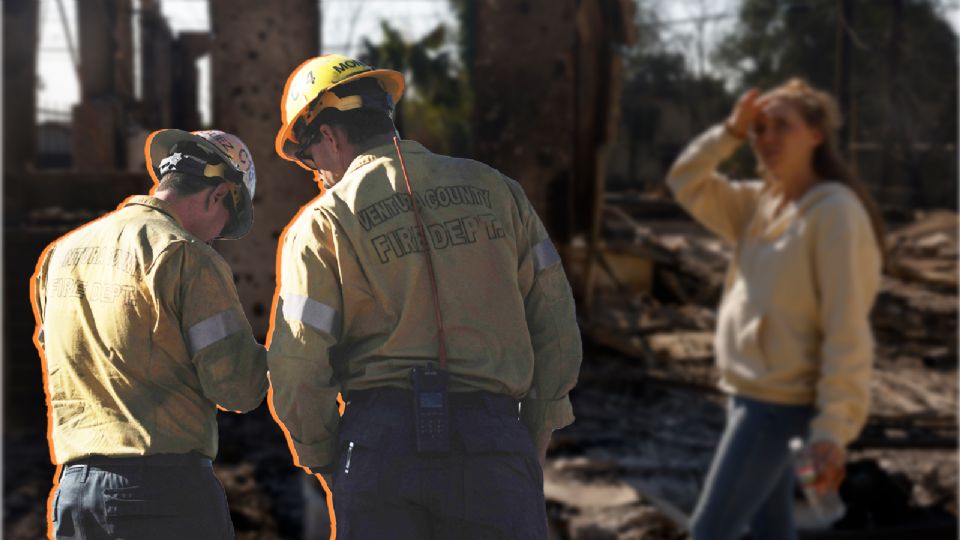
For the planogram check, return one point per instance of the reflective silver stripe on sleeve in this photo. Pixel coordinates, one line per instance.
(545, 255)
(300, 308)
(209, 331)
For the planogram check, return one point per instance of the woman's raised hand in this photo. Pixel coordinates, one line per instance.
(744, 113)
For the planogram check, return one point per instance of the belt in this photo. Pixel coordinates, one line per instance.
(155, 460)
(497, 403)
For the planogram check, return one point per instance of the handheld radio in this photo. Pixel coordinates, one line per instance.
(430, 409)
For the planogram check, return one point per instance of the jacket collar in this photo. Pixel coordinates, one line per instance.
(384, 150)
(154, 203)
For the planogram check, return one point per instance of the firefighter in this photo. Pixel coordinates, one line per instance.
(437, 308)
(142, 337)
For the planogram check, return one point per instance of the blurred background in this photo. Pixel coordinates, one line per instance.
(586, 103)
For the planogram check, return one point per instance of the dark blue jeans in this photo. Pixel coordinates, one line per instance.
(751, 478)
(140, 498)
(490, 486)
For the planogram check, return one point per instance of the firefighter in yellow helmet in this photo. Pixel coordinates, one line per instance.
(142, 337)
(440, 312)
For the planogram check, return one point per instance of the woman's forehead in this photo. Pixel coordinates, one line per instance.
(777, 107)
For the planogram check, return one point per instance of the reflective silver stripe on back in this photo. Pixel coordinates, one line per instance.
(211, 330)
(300, 308)
(545, 255)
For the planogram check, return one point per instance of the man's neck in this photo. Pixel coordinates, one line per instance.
(180, 208)
(174, 202)
(373, 142)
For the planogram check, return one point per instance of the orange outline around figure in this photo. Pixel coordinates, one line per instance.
(273, 411)
(39, 326)
(273, 312)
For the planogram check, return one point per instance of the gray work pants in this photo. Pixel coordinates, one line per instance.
(163, 497)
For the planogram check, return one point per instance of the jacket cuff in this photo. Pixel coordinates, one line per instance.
(318, 457)
(541, 415)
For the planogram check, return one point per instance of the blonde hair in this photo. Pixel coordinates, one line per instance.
(820, 111)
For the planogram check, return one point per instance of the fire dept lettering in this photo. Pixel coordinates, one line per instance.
(93, 291)
(461, 231)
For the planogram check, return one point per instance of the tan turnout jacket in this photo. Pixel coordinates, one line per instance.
(355, 309)
(143, 336)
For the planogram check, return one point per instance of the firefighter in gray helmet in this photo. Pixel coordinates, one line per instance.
(210, 154)
(444, 431)
(142, 337)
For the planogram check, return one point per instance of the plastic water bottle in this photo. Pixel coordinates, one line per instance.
(827, 507)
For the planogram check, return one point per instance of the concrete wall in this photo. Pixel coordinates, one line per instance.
(188, 48)
(20, 40)
(106, 84)
(255, 46)
(157, 69)
(527, 134)
(547, 82)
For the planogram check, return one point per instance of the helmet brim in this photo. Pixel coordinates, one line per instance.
(240, 221)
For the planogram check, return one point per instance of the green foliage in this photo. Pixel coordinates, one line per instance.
(466, 12)
(436, 106)
(901, 72)
(664, 102)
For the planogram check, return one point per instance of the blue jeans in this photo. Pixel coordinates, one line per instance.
(751, 478)
(135, 498)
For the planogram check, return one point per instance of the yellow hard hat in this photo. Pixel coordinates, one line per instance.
(306, 94)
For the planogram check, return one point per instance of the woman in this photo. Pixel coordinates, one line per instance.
(793, 342)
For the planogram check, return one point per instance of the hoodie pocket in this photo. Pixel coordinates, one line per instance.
(750, 341)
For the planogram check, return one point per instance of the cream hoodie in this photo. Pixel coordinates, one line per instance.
(793, 325)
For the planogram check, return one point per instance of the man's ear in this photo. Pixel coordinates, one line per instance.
(329, 132)
(217, 194)
(221, 191)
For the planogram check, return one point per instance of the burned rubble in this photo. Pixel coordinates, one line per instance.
(648, 414)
